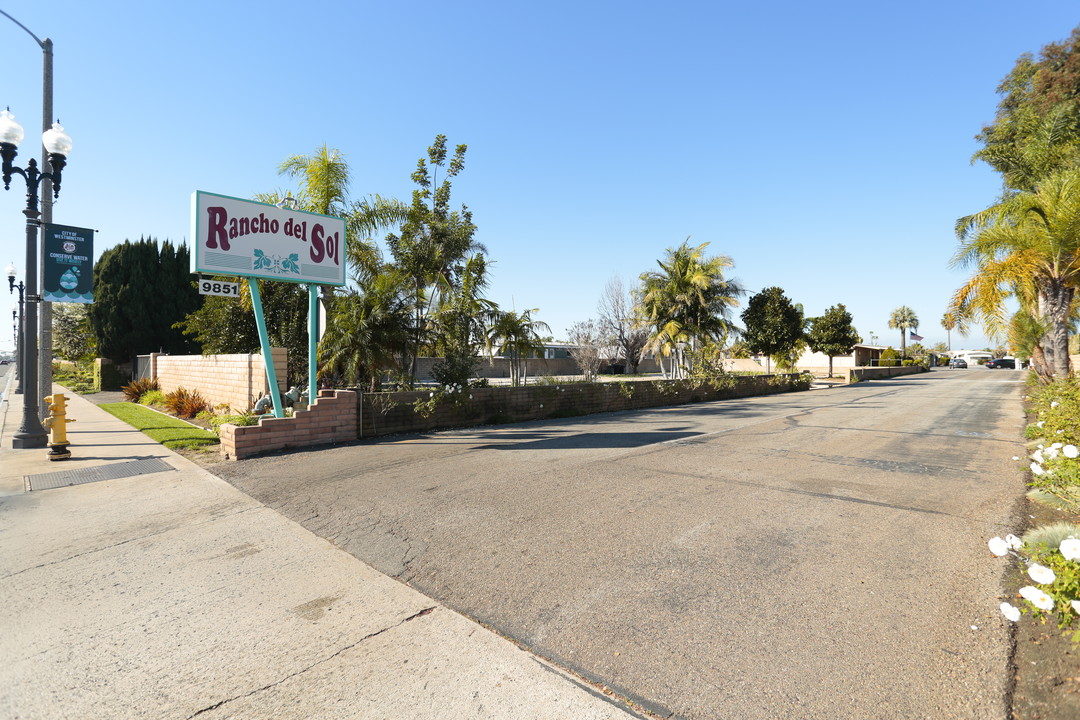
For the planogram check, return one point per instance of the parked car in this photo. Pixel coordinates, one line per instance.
(1009, 363)
(958, 363)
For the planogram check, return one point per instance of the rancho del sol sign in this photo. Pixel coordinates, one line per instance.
(251, 239)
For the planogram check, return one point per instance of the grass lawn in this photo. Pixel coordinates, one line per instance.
(172, 433)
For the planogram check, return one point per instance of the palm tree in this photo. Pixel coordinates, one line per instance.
(324, 189)
(1028, 247)
(517, 337)
(688, 300)
(948, 321)
(904, 319)
(366, 329)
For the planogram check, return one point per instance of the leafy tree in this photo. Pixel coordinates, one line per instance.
(434, 242)
(903, 319)
(140, 290)
(688, 300)
(788, 360)
(833, 334)
(517, 337)
(459, 326)
(72, 338)
(620, 321)
(1036, 131)
(773, 324)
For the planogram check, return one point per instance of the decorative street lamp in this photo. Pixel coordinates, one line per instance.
(16, 316)
(57, 144)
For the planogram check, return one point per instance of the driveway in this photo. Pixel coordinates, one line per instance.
(810, 555)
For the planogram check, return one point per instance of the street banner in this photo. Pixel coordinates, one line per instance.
(68, 267)
(244, 238)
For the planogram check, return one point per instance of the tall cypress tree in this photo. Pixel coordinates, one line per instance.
(140, 291)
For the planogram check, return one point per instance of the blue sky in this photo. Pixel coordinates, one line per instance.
(825, 147)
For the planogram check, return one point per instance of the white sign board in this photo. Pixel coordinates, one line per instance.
(231, 236)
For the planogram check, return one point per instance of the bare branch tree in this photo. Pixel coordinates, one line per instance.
(620, 322)
(584, 336)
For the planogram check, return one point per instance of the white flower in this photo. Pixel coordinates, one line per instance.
(1059, 432)
(1014, 542)
(1037, 597)
(1041, 574)
(1075, 606)
(1052, 452)
(431, 394)
(998, 546)
(1070, 548)
(1010, 612)
(1037, 469)
(1038, 457)
(1054, 404)
(1056, 446)
(1070, 451)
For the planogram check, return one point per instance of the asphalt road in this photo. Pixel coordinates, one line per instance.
(811, 555)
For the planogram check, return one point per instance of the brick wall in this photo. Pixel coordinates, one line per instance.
(233, 380)
(386, 413)
(331, 419)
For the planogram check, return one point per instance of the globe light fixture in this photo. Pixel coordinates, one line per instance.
(31, 434)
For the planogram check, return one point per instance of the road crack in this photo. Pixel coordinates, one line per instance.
(290, 676)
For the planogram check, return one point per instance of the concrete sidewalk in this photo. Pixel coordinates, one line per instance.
(171, 594)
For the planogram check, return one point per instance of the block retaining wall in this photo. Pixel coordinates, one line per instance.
(388, 413)
(233, 380)
(331, 419)
(873, 373)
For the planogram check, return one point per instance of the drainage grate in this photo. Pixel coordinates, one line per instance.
(48, 481)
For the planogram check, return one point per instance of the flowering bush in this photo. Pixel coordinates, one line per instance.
(1057, 407)
(1052, 557)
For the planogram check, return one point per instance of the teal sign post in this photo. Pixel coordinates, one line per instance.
(68, 268)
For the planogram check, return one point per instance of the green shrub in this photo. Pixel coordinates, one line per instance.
(134, 390)
(889, 358)
(152, 397)
(243, 419)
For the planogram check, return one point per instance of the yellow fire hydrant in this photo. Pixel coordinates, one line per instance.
(57, 425)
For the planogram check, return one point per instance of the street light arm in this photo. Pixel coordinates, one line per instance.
(38, 40)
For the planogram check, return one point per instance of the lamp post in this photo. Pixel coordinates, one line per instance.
(57, 144)
(16, 316)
